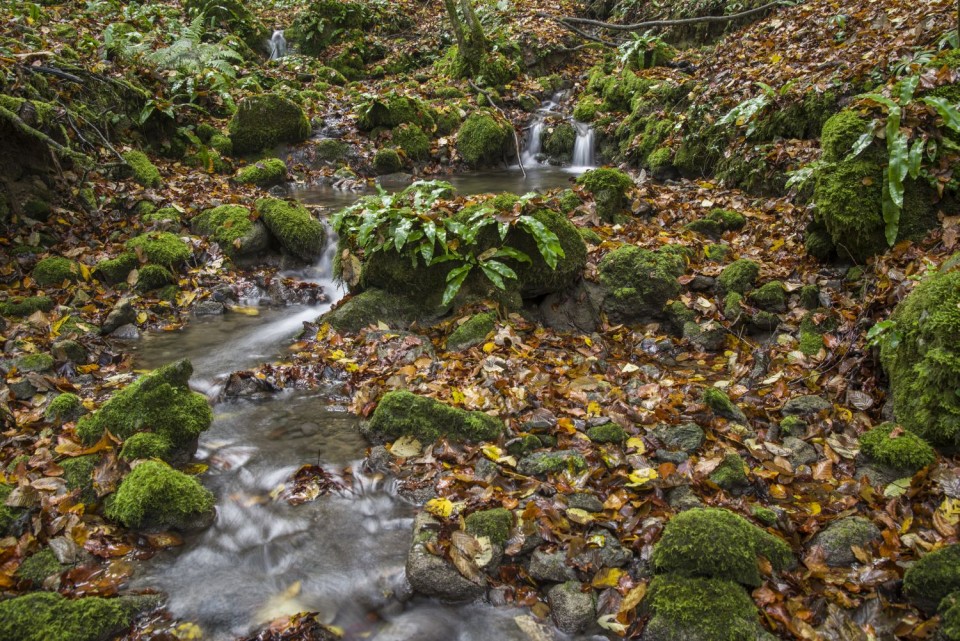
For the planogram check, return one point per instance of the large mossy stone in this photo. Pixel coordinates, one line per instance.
(609, 188)
(264, 173)
(716, 543)
(371, 307)
(403, 413)
(232, 228)
(160, 248)
(159, 402)
(700, 609)
(840, 537)
(483, 140)
(639, 282)
(49, 616)
(924, 364)
(154, 496)
(537, 278)
(392, 110)
(904, 451)
(294, 227)
(55, 270)
(266, 120)
(933, 577)
(471, 332)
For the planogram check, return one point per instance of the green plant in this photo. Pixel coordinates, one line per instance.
(415, 225)
(645, 50)
(746, 112)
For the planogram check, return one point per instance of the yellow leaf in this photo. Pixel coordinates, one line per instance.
(246, 311)
(814, 508)
(489, 347)
(142, 317)
(775, 58)
(457, 396)
(639, 478)
(636, 443)
(950, 510)
(577, 515)
(593, 408)
(607, 578)
(188, 632)
(55, 328)
(439, 507)
(337, 354)
(84, 271)
(405, 447)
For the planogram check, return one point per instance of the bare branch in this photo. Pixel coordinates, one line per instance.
(666, 23)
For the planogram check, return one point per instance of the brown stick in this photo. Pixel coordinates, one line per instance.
(664, 23)
(60, 150)
(516, 139)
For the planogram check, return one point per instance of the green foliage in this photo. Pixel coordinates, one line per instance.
(730, 474)
(265, 120)
(55, 270)
(393, 109)
(144, 171)
(928, 581)
(154, 495)
(841, 133)
(494, 524)
(607, 433)
(700, 608)
(160, 248)
(115, 270)
(717, 222)
(644, 51)
(813, 326)
(483, 139)
(325, 22)
(292, 224)
(264, 173)
(19, 306)
(746, 113)
(404, 414)
(739, 276)
(586, 108)
(770, 296)
(904, 451)
(387, 161)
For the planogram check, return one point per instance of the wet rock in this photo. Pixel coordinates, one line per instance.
(245, 385)
(718, 401)
(209, 308)
(380, 460)
(397, 179)
(128, 332)
(801, 452)
(702, 283)
(806, 406)
(121, 314)
(682, 498)
(707, 337)
(21, 389)
(838, 538)
(431, 575)
(69, 350)
(550, 566)
(605, 550)
(584, 501)
(679, 441)
(876, 474)
(573, 310)
(541, 463)
(572, 609)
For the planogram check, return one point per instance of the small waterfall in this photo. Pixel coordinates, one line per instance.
(278, 45)
(583, 149)
(535, 131)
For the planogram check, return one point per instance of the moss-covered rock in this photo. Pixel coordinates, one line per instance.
(472, 332)
(639, 282)
(559, 141)
(536, 277)
(265, 120)
(716, 543)
(144, 171)
(817, 243)
(721, 405)
(25, 306)
(8, 515)
(232, 228)
(839, 538)
(730, 474)
(39, 362)
(949, 611)
(933, 577)
(55, 270)
(905, 451)
(156, 496)
(609, 188)
(483, 139)
(699, 609)
(373, 306)
(37, 567)
(402, 413)
(770, 296)
(607, 433)
(264, 173)
(739, 276)
(160, 248)
(717, 222)
(64, 408)
(586, 108)
(160, 402)
(115, 270)
(387, 161)
(145, 445)
(391, 110)
(542, 463)
(294, 227)
(813, 326)
(924, 365)
(49, 616)
(78, 473)
(151, 277)
(412, 140)
(840, 133)
(494, 524)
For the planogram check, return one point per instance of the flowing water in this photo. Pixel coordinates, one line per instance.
(584, 146)
(278, 45)
(341, 555)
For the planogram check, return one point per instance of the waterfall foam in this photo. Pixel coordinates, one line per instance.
(583, 151)
(278, 45)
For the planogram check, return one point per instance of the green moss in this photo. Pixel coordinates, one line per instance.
(64, 408)
(472, 332)
(586, 109)
(569, 201)
(716, 252)
(330, 149)
(812, 328)
(144, 171)
(55, 270)
(660, 158)
(679, 315)
(524, 444)
(412, 140)
(730, 474)
(483, 139)
(721, 405)
(154, 495)
(700, 609)
(160, 248)
(792, 426)
(266, 120)
(933, 577)
(78, 473)
(739, 276)
(494, 524)
(771, 296)
(221, 144)
(810, 296)
(716, 543)
(37, 567)
(589, 236)
(390, 110)
(559, 140)
(35, 363)
(264, 173)
(764, 514)
(640, 282)
(205, 132)
(232, 228)
(906, 451)
(949, 611)
(145, 445)
(840, 133)
(162, 215)
(49, 616)
(924, 366)
(371, 307)
(115, 270)
(536, 277)
(609, 188)
(387, 161)
(294, 227)
(151, 277)
(160, 402)
(8, 515)
(542, 463)
(607, 433)
(402, 413)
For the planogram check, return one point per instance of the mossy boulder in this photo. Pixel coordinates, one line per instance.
(160, 248)
(159, 402)
(721, 405)
(54, 271)
(145, 445)
(8, 515)
(391, 110)
(64, 408)
(739, 276)
(536, 277)
(813, 326)
(143, 171)
(151, 277)
(609, 188)
(717, 543)
(730, 474)
(294, 227)
(717, 222)
(928, 581)
(232, 227)
(264, 173)
(904, 451)
(116, 270)
(387, 161)
(639, 282)
(412, 140)
(154, 496)
(771, 297)
(266, 120)
(559, 140)
(840, 133)
(39, 362)
(700, 609)
(494, 524)
(839, 538)
(49, 616)
(373, 306)
(235, 16)
(607, 433)
(483, 139)
(25, 306)
(78, 473)
(37, 567)
(542, 463)
(471, 332)
(402, 413)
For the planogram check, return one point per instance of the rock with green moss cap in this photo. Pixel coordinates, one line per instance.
(494, 524)
(936, 575)
(949, 612)
(839, 538)
(393, 109)
(402, 413)
(609, 188)
(412, 140)
(232, 228)
(536, 277)
(78, 473)
(151, 277)
(263, 173)
(903, 451)
(558, 141)
(49, 616)
(387, 161)
(739, 276)
(116, 270)
(66, 349)
(154, 496)
(160, 402)
(64, 408)
(297, 231)
(572, 609)
(472, 332)
(639, 282)
(35, 363)
(764, 514)
(483, 139)
(792, 426)
(25, 306)
(164, 219)
(813, 326)
(717, 543)
(840, 134)
(160, 248)
(8, 515)
(607, 433)
(542, 463)
(717, 222)
(721, 405)
(143, 171)
(924, 365)
(145, 445)
(55, 270)
(371, 307)
(771, 297)
(730, 474)
(38, 567)
(266, 120)
(700, 609)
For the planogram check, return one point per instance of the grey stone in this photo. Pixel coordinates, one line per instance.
(572, 609)
(701, 283)
(708, 337)
(431, 575)
(550, 566)
(682, 498)
(22, 389)
(838, 538)
(379, 460)
(209, 308)
(612, 554)
(573, 310)
(584, 501)
(801, 452)
(877, 474)
(121, 314)
(806, 406)
(128, 332)
(69, 350)
(686, 437)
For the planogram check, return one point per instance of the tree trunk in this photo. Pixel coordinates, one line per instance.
(471, 40)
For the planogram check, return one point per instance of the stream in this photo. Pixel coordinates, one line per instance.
(341, 555)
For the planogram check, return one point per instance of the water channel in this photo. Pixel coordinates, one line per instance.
(341, 555)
